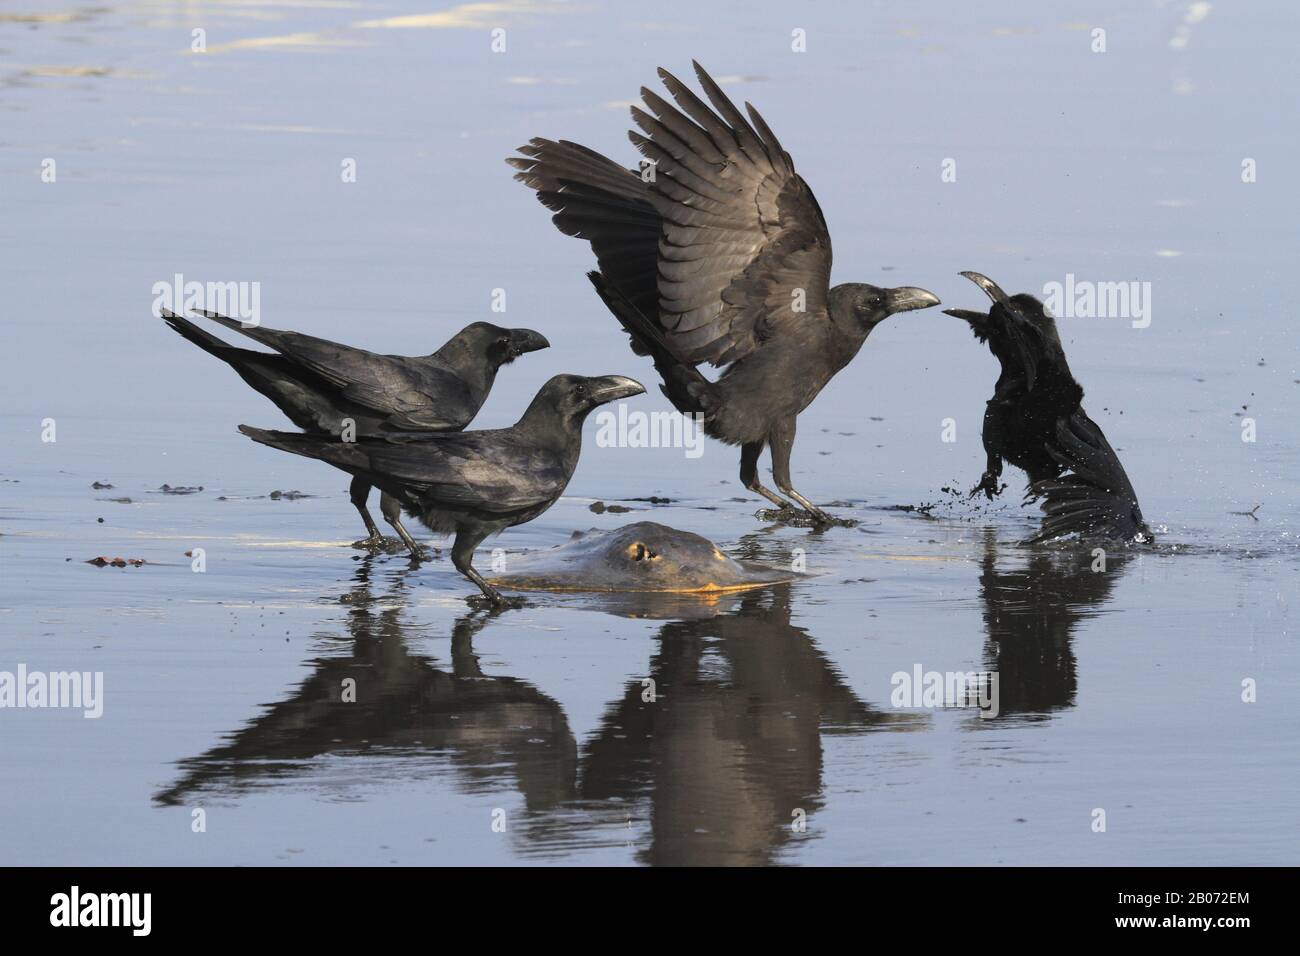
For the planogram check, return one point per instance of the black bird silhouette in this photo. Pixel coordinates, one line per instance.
(1035, 421)
(716, 251)
(474, 483)
(321, 385)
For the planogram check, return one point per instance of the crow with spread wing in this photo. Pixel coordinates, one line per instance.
(716, 252)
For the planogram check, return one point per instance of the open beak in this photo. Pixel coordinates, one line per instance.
(1016, 325)
(526, 340)
(907, 298)
(610, 388)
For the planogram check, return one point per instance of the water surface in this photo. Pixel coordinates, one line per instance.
(1120, 689)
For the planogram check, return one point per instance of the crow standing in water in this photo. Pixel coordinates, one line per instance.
(479, 482)
(721, 256)
(1035, 421)
(318, 384)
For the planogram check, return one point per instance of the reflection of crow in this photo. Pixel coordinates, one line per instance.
(730, 748)
(488, 727)
(1030, 615)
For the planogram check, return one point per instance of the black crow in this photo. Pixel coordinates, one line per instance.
(474, 483)
(322, 385)
(1035, 421)
(716, 251)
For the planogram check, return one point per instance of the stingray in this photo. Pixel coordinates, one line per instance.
(638, 557)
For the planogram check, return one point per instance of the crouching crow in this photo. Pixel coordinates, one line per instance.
(1035, 421)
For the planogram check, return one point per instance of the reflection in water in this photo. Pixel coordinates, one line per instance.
(405, 705)
(1030, 615)
(730, 748)
(719, 762)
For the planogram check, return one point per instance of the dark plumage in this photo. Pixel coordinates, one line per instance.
(721, 256)
(475, 483)
(1035, 421)
(320, 384)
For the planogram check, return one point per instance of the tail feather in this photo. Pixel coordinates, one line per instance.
(348, 456)
(258, 333)
(203, 339)
(1094, 497)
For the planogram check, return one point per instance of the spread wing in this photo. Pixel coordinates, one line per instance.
(744, 254)
(1094, 497)
(596, 199)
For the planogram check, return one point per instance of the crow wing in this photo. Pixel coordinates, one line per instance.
(744, 254)
(487, 471)
(596, 199)
(418, 393)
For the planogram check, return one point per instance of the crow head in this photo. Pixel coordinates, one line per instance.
(1017, 328)
(574, 396)
(498, 346)
(868, 305)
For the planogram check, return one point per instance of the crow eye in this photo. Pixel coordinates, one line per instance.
(581, 389)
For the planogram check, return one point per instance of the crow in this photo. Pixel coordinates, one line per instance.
(473, 483)
(716, 251)
(1036, 422)
(322, 386)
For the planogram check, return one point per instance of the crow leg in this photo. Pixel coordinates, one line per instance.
(749, 474)
(993, 441)
(392, 512)
(462, 556)
(781, 441)
(359, 492)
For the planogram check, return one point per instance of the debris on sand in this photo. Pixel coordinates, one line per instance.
(798, 518)
(179, 489)
(1250, 513)
(288, 495)
(599, 508)
(103, 562)
(101, 486)
(653, 499)
(117, 501)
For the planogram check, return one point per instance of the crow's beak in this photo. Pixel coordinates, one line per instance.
(1017, 326)
(610, 388)
(526, 340)
(907, 298)
(969, 315)
(990, 288)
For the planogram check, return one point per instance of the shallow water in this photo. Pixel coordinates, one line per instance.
(1119, 689)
